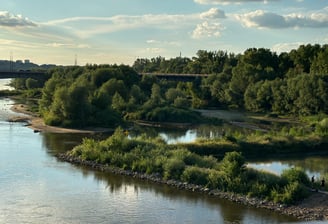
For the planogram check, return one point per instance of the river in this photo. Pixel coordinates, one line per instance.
(36, 188)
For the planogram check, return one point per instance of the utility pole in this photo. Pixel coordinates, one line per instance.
(75, 62)
(11, 62)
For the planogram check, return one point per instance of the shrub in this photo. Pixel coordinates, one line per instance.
(260, 190)
(182, 102)
(218, 179)
(233, 164)
(322, 127)
(173, 168)
(195, 175)
(295, 175)
(208, 162)
(291, 193)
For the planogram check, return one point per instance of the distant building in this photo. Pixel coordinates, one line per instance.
(19, 62)
(27, 61)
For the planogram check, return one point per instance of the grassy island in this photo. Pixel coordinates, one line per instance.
(177, 162)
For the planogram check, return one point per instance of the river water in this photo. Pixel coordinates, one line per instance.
(36, 188)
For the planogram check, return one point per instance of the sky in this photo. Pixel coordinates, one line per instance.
(120, 31)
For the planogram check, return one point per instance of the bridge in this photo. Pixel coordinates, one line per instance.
(22, 74)
(42, 75)
(176, 76)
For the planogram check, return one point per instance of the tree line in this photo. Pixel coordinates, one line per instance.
(258, 80)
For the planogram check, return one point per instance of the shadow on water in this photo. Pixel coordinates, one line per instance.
(231, 212)
(56, 143)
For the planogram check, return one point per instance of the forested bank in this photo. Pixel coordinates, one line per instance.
(258, 80)
(292, 84)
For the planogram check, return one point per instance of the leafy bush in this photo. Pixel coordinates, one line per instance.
(291, 193)
(259, 190)
(322, 127)
(218, 179)
(173, 168)
(172, 114)
(195, 175)
(295, 175)
(233, 164)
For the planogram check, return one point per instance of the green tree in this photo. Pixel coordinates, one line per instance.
(233, 164)
(156, 98)
(279, 94)
(32, 83)
(319, 65)
(255, 65)
(118, 103)
(173, 93)
(304, 55)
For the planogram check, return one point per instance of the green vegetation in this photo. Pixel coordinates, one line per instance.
(258, 80)
(111, 95)
(154, 156)
(288, 84)
(308, 138)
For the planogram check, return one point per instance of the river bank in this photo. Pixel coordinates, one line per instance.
(313, 208)
(37, 124)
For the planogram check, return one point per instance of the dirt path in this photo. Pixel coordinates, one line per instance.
(315, 207)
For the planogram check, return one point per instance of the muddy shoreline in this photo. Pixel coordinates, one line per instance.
(314, 208)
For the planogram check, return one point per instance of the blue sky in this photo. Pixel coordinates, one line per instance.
(119, 31)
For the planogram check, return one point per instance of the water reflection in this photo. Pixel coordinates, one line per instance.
(313, 165)
(188, 134)
(4, 84)
(226, 211)
(62, 142)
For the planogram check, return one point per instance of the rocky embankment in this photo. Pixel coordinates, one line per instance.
(313, 208)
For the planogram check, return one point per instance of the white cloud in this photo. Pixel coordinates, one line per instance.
(17, 44)
(226, 2)
(67, 45)
(213, 13)
(286, 47)
(153, 42)
(262, 19)
(155, 50)
(158, 42)
(207, 29)
(10, 20)
(86, 27)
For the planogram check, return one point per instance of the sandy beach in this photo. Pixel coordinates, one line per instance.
(37, 124)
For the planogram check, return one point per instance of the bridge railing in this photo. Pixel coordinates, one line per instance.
(21, 74)
(175, 74)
